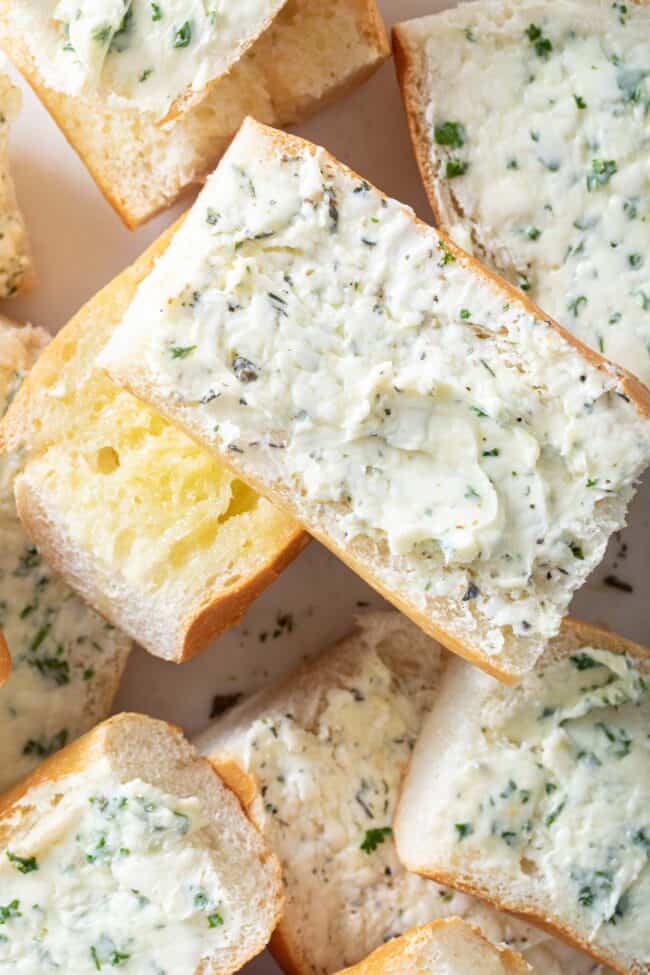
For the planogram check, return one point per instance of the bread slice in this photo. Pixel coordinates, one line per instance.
(145, 524)
(67, 661)
(5, 660)
(427, 423)
(126, 849)
(537, 797)
(449, 947)
(542, 173)
(16, 270)
(312, 54)
(318, 760)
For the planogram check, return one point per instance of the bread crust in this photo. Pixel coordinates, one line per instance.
(573, 635)
(5, 660)
(74, 758)
(220, 610)
(633, 388)
(60, 106)
(398, 949)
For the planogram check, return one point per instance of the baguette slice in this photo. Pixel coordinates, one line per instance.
(318, 759)
(312, 54)
(5, 660)
(449, 947)
(537, 797)
(16, 270)
(462, 453)
(126, 848)
(514, 170)
(147, 526)
(67, 661)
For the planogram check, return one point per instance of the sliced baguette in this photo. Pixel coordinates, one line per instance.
(147, 526)
(66, 660)
(298, 387)
(5, 660)
(129, 829)
(445, 947)
(16, 269)
(554, 208)
(317, 760)
(536, 797)
(314, 52)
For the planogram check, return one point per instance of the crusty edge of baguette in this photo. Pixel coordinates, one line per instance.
(133, 380)
(77, 756)
(371, 25)
(577, 634)
(5, 660)
(223, 610)
(397, 948)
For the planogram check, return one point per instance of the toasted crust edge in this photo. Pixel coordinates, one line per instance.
(371, 25)
(196, 630)
(5, 660)
(576, 633)
(634, 390)
(394, 950)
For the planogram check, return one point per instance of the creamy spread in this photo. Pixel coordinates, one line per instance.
(14, 252)
(149, 54)
(64, 656)
(117, 876)
(307, 326)
(554, 791)
(329, 788)
(548, 164)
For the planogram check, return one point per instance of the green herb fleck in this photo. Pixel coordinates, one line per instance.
(374, 838)
(183, 35)
(450, 134)
(22, 864)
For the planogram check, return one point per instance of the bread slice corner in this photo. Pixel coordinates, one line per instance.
(144, 524)
(447, 946)
(431, 843)
(133, 748)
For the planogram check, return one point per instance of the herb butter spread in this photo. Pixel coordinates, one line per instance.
(65, 658)
(151, 55)
(330, 345)
(543, 796)
(120, 876)
(329, 771)
(548, 165)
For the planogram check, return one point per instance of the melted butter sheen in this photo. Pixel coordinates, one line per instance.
(556, 186)
(122, 879)
(562, 781)
(145, 53)
(297, 302)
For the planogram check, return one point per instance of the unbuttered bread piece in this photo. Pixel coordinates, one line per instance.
(537, 797)
(127, 852)
(16, 273)
(449, 947)
(145, 524)
(318, 760)
(418, 415)
(66, 660)
(313, 52)
(542, 172)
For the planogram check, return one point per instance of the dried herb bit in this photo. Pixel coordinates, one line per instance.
(183, 35)
(576, 550)
(472, 592)
(552, 816)
(615, 583)
(244, 369)
(211, 216)
(463, 830)
(215, 919)
(374, 838)
(30, 559)
(156, 12)
(22, 864)
(9, 911)
(44, 747)
(222, 703)
(602, 171)
(542, 45)
(450, 134)
(456, 167)
(582, 661)
(181, 351)
(580, 102)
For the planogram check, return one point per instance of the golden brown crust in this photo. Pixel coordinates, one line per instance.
(59, 105)
(5, 660)
(407, 70)
(397, 952)
(20, 428)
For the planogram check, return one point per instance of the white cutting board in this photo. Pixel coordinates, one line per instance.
(80, 244)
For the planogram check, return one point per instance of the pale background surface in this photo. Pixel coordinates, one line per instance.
(80, 244)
